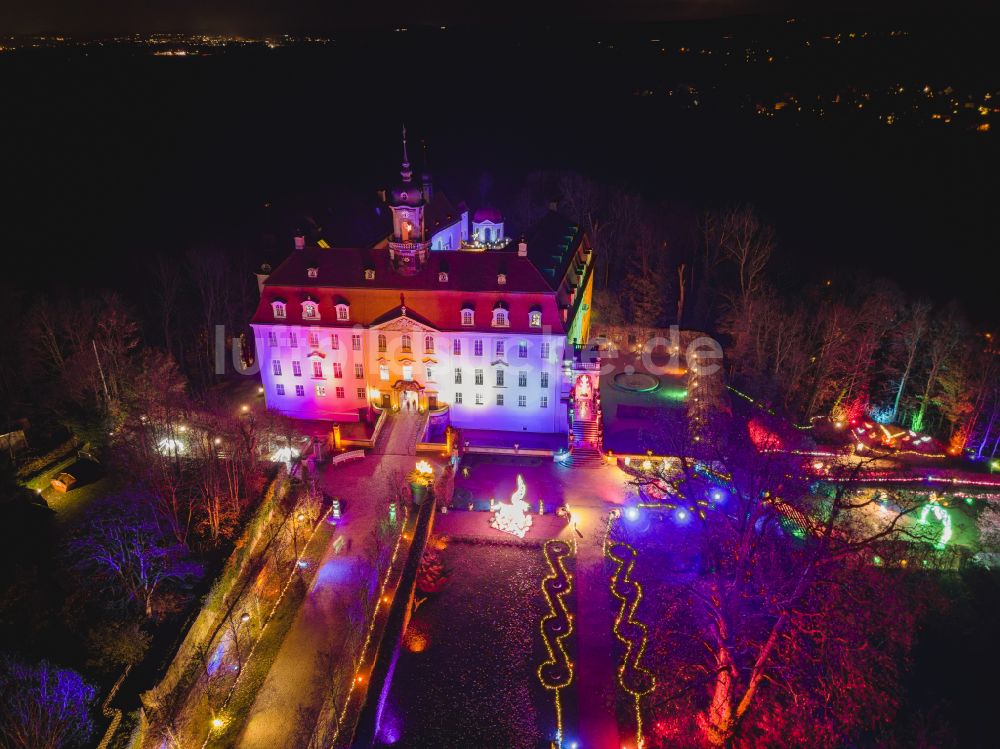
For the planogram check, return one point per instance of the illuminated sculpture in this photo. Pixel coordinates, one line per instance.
(513, 518)
(942, 516)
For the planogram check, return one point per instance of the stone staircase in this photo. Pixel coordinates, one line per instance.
(586, 438)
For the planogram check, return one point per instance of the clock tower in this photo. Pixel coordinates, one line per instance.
(408, 246)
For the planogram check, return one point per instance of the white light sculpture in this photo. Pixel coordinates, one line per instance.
(513, 518)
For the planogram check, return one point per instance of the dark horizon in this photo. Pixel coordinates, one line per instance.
(316, 17)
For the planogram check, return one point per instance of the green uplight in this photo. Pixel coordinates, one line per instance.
(673, 394)
(877, 561)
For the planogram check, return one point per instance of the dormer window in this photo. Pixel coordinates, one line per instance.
(310, 310)
(343, 312)
(369, 274)
(535, 319)
(312, 272)
(502, 279)
(443, 277)
(279, 310)
(468, 317)
(500, 318)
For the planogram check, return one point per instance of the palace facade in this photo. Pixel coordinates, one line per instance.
(434, 317)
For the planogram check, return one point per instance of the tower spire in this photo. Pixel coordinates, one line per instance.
(405, 172)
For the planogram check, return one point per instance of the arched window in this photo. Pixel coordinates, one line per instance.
(343, 312)
(468, 317)
(279, 310)
(428, 344)
(310, 310)
(381, 343)
(535, 319)
(500, 318)
(405, 343)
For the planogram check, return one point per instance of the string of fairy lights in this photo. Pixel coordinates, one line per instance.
(636, 680)
(556, 672)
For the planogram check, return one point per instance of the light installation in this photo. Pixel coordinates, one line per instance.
(513, 518)
(636, 680)
(942, 516)
(556, 672)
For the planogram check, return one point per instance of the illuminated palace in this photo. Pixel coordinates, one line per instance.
(433, 317)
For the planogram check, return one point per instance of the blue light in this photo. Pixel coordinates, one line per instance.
(717, 495)
(631, 513)
(303, 564)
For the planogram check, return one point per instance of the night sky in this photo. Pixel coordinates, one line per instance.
(246, 16)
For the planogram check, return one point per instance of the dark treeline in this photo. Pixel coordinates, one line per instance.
(846, 346)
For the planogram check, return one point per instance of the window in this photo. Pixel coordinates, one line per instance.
(458, 399)
(310, 311)
(314, 340)
(276, 368)
(335, 341)
(300, 390)
(458, 375)
(430, 374)
(443, 278)
(338, 370)
(343, 312)
(522, 350)
(479, 399)
(408, 372)
(293, 340)
(544, 402)
(312, 272)
(296, 369)
(501, 277)
(369, 274)
(535, 319)
(428, 344)
(522, 401)
(500, 349)
(279, 310)
(340, 392)
(477, 347)
(383, 372)
(404, 342)
(456, 347)
(318, 368)
(361, 394)
(479, 377)
(545, 379)
(279, 389)
(499, 399)
(500, 319)
(522, 379)
(321, 391)
(356, 342)
(381, 343)
(545, 351)
(499, 378)
(468, 317)
(272, 338)
(359, 371)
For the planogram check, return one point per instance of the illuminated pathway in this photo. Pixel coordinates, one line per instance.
(297, 679)
(595, 666)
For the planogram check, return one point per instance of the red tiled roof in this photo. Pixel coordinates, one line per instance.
(472, 279)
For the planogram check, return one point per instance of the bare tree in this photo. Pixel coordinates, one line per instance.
(909, 337)
(761, 595)
(42, 707)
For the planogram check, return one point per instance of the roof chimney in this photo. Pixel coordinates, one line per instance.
(522, 248)
(300, 242)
